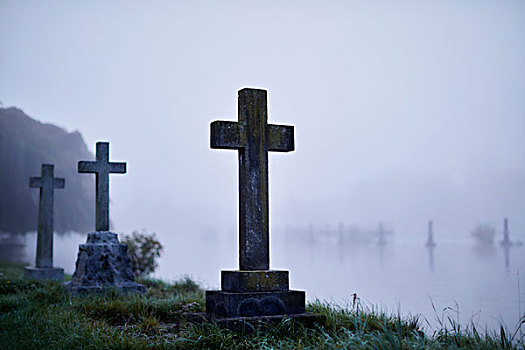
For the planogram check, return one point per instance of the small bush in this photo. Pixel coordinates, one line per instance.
(143, 249)
(484, 234)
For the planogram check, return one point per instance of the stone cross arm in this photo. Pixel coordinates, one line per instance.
(47, 178)
(232, 135)
(102, 167)
(96, 167)
(35, 182)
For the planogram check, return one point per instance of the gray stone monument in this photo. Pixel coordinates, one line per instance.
(102, 263)
(430, 240)
(381, 241)
(254, 290)
(44, 269)
(506, 236)
(506, 243)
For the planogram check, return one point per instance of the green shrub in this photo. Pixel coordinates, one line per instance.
(143, 249)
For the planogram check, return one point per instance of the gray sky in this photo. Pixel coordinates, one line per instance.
(404, 111)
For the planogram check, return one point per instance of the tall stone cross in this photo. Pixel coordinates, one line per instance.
(253, 137)
(102, 167)
(47, 184)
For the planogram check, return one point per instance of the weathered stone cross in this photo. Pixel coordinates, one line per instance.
(47, 184)
(102, 167)
(253, 137)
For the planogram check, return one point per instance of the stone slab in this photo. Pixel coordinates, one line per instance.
(249, 304)
(254, 281)
(44, 273)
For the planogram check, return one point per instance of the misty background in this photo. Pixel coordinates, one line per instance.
(404, 111)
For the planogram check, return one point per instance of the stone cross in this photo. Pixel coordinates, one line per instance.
(47, 184)
(430, 241)
(506, 237)
(102, 167)
(253, 137)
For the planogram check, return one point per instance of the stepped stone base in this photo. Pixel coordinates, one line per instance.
(253, 294)
(44, 273)
(228, 304)
(103, 265)
(254, 281)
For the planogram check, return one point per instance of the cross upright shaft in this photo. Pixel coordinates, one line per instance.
(47, 184)
(253, 137)
(102, 168)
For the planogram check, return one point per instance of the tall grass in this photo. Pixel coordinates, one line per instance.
(36, 315)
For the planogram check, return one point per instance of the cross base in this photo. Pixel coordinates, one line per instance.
(254, 293)
(254, 281)
(44, 273)
(103, 265)
(249, 304)
(506, 243)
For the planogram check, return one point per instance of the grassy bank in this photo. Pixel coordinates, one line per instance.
(36, 315)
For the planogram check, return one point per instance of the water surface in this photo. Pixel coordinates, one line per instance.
(471, 282)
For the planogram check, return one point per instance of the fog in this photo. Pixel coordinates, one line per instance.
(404, 112)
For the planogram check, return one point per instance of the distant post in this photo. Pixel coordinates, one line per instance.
(44, 248)
(381, 233)
(506, 236)
(102, 167)
(430, 240)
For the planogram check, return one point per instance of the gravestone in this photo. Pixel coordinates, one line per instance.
(103, 262)
(44, 269)
(254, 290)
(430, 240)
(506, 243)
(506, 236)
(381, 241)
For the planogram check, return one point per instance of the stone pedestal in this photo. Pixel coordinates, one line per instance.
(103, 264)
(44, 273)
(254, 293)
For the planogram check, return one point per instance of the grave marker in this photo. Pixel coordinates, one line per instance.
(430, 240)
(103, 262)
(254, 290)
(102, 167)
(506, 236)
(44, 248)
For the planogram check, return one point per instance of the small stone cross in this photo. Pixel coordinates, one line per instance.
(253, 137)
(47, 184)
(506, 237)
(102, 168)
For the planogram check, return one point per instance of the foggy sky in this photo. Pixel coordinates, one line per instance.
(403, 111)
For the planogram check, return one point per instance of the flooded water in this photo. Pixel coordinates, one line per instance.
(471, 282)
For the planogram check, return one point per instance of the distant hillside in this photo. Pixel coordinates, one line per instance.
(24, 145)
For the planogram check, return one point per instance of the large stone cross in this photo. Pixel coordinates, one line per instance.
(47, 184)
(253, 137)
(102, 167)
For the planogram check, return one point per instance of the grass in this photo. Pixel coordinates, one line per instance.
(41, 315)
